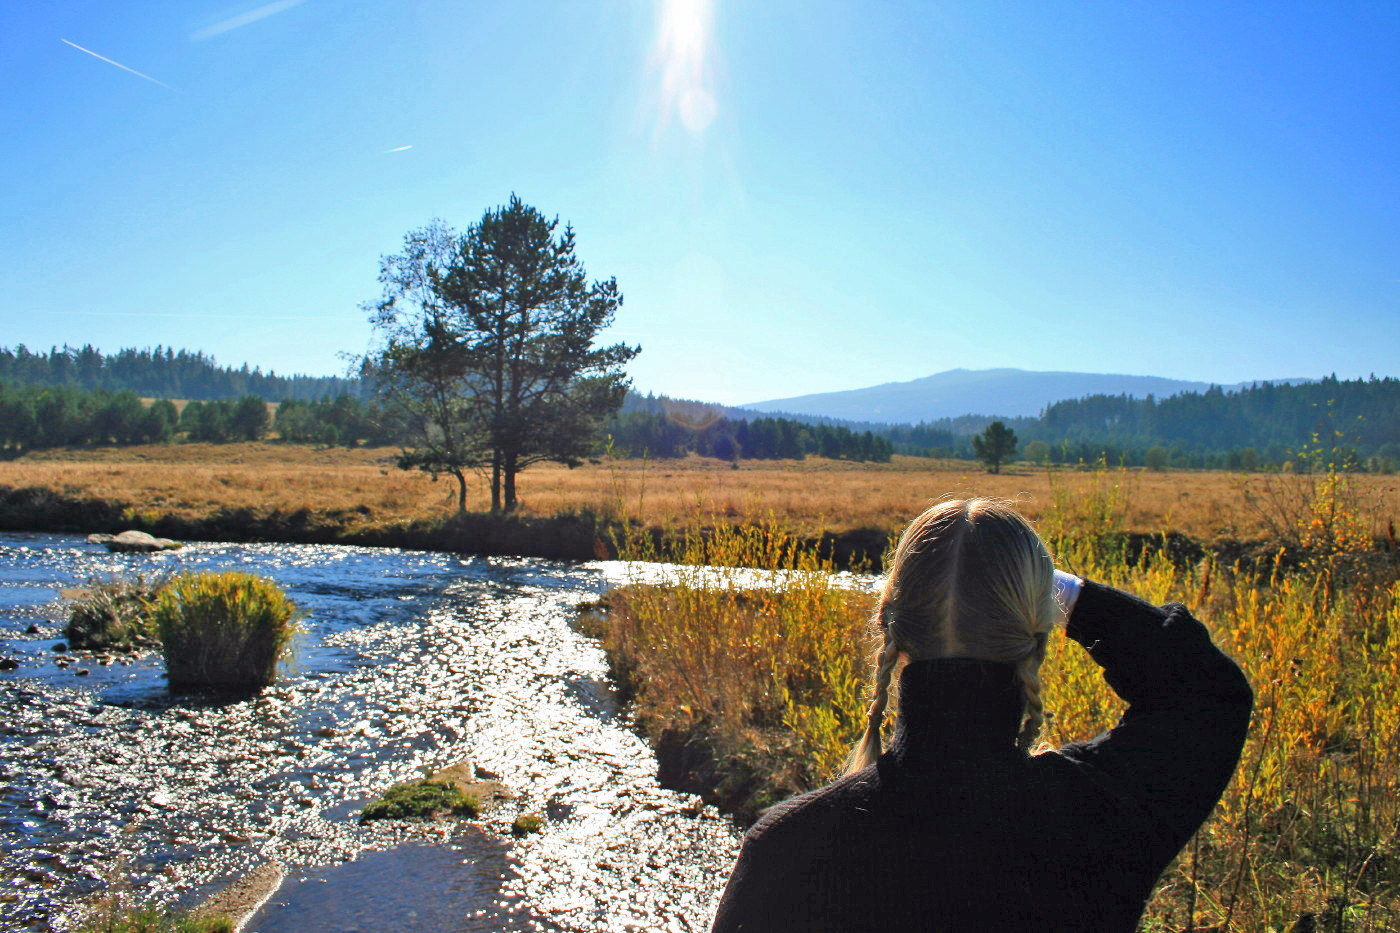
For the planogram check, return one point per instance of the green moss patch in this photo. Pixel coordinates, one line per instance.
(526, 823)
(420, 800)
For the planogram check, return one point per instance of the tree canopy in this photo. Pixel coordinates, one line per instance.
(994, 445)
(486, 348)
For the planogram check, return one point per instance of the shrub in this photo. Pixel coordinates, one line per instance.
(223, 631)
(112, 614)
(420, 799)
(770, 681)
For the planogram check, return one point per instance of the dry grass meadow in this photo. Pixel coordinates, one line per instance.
(191, 480)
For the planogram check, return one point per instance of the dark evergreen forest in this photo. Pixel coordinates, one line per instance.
(1356, 421)
(161, 372)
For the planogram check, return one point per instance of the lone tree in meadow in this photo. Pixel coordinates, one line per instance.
(994, 445)
(487, 355)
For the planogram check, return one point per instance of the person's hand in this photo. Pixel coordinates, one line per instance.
(1067, 587)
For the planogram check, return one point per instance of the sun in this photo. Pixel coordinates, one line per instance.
(681, 54)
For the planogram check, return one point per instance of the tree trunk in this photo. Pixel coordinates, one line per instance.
(495, 482)
(461, 490)
(510, 471)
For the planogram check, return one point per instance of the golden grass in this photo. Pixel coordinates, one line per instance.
(191, 480)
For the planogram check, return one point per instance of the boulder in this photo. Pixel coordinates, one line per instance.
(137, 542)
(463, 776)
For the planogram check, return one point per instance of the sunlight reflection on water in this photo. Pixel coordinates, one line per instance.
(409, 660)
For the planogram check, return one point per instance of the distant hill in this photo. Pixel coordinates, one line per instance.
(1003, 392)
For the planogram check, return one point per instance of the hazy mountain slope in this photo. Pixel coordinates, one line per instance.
(1010, 392)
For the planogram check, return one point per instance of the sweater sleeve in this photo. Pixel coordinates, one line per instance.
(1174, 749)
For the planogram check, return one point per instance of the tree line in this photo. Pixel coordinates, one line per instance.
(36, 417)
(1259, 426)
(1265, 424)
(641, 433)
(161, 372)
(41, 417)
(92, 400)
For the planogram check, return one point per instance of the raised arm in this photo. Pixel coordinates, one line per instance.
(1189, 705)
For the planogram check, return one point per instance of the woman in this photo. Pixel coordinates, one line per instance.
(958, 826)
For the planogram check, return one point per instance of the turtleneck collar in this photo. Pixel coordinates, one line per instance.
(956, 709)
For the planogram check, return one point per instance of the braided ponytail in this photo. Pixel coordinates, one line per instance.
(868, 748)
(1028, 673)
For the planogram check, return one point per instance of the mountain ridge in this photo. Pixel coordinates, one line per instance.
(1005, 392)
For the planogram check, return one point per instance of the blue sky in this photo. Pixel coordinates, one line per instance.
(794, 195)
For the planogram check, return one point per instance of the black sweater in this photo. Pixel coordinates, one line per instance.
(956, 829)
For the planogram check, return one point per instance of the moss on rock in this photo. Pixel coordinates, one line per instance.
(420, 800)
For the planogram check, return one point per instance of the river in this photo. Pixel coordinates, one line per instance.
(408, 660)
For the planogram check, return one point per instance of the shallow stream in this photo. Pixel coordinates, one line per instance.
(409, 661)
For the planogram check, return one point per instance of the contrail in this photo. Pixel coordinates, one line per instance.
(399, 149)
(118, 64)
(194, 314)
(252, 16)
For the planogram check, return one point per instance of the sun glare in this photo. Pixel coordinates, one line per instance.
(681, 55)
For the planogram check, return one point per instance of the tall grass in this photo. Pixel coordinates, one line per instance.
(223, 631)
(774, 679)
(1308, 823)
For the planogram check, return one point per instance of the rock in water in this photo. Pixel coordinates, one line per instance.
(137, 542)
(464, 777)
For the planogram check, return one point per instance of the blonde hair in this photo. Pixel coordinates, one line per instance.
(970, 579)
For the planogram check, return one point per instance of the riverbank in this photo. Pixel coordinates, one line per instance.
(566, 536)
(570, 535)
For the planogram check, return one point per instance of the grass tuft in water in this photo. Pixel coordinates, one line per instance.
(223, 631)
(420, 799)
(112, 615)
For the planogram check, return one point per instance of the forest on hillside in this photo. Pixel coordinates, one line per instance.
(1261, 425)
(82, 397)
